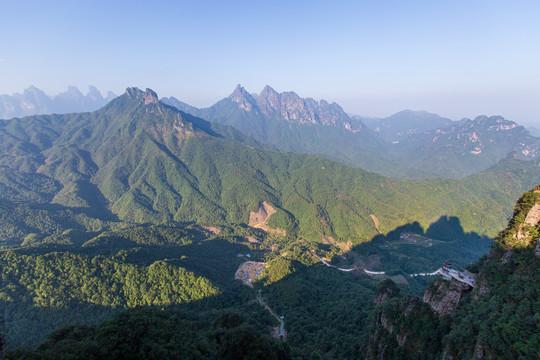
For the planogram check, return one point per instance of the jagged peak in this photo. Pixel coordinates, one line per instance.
(325, 103)
(74, 90)
(33, 90)
(93, 90)
(148, 97)
(493, 118)
(110, 96)
(242, 97)
(239, 93)
(267, 91)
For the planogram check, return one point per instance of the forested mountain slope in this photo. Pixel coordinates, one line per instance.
(139, 204)
(497, 317)
(408, 144)
(301, 125)
(138, 160)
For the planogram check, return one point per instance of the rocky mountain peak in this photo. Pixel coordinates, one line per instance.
(239, 94)
(269, 100)
(94, 93)
(151, 97)
(110, 96)
(148, 97)
(242, 97)
(490, 123)
(72, 92)
(289, 106)
(34, 91)
(268, 92)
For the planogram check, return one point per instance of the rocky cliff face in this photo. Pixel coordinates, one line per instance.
(148, 96)
(444, 296)
(397, 332)
(244, 99)
(405, 326)
(288, 106)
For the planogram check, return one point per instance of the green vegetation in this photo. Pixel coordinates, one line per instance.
(325, 310)
(138, 163)
(139, 212)
(406, 145)
(443, 240)
(500, 316)
(163, 334)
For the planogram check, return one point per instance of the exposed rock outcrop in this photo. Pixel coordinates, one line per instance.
(288, 106)
(260, 218)
(244, 99)
(386, 290)
(443, 297)
(148, 97)
(493, 322)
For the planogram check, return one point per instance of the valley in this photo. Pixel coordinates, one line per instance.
(269, 180)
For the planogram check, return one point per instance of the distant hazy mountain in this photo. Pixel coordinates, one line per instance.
(405, 124)
(534, 131)
(467, 146)
(33, 101)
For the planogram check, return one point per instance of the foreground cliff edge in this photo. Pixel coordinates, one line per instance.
(500, 315)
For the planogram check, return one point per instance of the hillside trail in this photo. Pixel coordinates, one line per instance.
(246, 273)
(279, 332)
(267, 307)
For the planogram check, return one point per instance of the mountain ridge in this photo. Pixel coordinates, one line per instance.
(34, 101)
(408, 144)
(144, 161)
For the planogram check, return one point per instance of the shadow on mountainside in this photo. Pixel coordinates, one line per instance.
(410, 249)
(320, 304)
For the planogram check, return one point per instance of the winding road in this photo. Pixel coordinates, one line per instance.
(348, 270)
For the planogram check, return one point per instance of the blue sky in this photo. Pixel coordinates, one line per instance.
(455, 58)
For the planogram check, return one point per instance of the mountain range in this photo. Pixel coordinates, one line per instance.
(33, 101)
(409, 144)
(142, 205)
(138, 160)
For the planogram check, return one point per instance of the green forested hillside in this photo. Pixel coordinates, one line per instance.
(140, 205)
(184, 278)
(164, 334)
(179, 270)
(137, 160)
(78, 277)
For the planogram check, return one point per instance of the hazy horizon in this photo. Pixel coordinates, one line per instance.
(458, 59)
